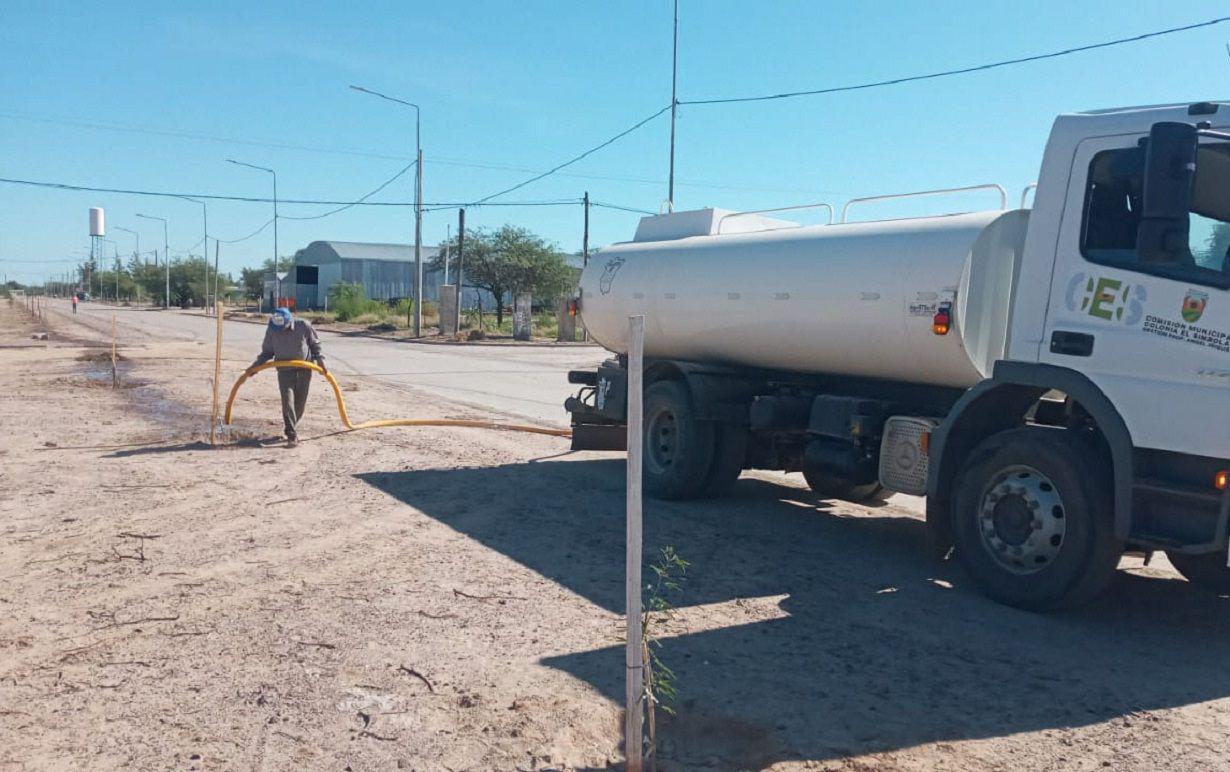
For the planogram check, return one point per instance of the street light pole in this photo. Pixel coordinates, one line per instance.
(166, 257)
(135, 235)
(115, 249)
(418, 205)
(277, 265)
(204, 246)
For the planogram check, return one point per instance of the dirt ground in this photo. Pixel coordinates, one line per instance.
(449, 600)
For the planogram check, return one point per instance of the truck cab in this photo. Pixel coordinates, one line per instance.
(1098, 423)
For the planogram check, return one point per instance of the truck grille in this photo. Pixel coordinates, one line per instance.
(903, 463)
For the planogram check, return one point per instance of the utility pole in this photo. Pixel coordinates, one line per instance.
(670, 193)
(585, 236)
(461, 252)
(448, 242)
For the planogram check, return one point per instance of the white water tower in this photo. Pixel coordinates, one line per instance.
(98, 222)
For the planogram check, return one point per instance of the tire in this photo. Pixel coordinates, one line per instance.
(829, 487)
(678, 449)
(1034, 519)
(729, 455)
(1208, 572)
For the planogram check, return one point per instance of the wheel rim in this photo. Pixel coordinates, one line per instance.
(1022, 520)
(661, 440)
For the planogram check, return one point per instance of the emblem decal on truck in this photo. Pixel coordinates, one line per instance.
(1194, 304)
(1109, 299)
(608, 276)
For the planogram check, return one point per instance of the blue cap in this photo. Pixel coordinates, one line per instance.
(281, 318)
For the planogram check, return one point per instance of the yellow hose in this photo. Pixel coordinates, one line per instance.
(341, 406)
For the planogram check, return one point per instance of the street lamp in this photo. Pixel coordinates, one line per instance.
(166, 254)
(204, 243)
(418, 209)
(135, 235)
(115, 250)
(136, 254)
(277, 265)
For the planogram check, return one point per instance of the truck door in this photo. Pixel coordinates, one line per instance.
(1154, 336)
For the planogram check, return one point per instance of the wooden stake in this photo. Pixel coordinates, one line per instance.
(634, 653)
(115, 377)
(213, 421)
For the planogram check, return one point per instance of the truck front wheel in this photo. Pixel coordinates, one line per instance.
(1208, 572)
(1033, 519)
(678, 449)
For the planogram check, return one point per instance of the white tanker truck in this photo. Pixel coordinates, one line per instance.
(1055, 380)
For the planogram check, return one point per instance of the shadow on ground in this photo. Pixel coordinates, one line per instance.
(883, 647)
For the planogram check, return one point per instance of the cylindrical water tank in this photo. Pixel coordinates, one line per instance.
(98, 222)
(855, 299)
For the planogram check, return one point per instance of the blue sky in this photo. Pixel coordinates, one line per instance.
(152, 96)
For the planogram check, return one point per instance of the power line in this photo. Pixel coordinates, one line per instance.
(258, 200)
(433, 206)
(115, 126)
(573, 160)
(366, 196)
(439, 207)
(212, 197)
(253, 234)
(39, 262)
(357, 152)
(962, 71)
(620, 208)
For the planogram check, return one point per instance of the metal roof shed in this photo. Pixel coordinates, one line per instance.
(386, 271)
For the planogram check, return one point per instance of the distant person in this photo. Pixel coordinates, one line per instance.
(289, 338)
(74, 302)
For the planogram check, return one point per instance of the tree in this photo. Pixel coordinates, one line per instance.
(1219, 245)
(512, 260)
(253, 279)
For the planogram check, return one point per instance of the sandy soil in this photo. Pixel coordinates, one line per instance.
(433, 599)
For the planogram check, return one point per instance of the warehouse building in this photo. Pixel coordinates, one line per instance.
(386, 271)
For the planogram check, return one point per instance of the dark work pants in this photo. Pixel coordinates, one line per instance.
(293, 384)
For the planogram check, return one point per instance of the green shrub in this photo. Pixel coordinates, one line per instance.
(348, 301)
(369, 318)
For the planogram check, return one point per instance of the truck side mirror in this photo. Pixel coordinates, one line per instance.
(1170, 168)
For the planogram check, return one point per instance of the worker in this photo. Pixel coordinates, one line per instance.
(289, 338)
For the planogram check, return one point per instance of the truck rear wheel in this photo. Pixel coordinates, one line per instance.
(1033, 519)
(678, 449)
(1208, 572)
(829, 487)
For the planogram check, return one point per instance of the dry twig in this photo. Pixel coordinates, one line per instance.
(460, 594)
(418, 675)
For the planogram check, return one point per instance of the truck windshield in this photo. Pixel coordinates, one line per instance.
(1113, 199)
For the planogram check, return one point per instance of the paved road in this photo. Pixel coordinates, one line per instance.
(522, 381)
(525, 382)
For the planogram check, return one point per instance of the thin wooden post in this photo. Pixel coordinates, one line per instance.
(634, 655)
(115, 377)
(213, 421)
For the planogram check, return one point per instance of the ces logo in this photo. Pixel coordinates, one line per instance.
(1105, 298)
